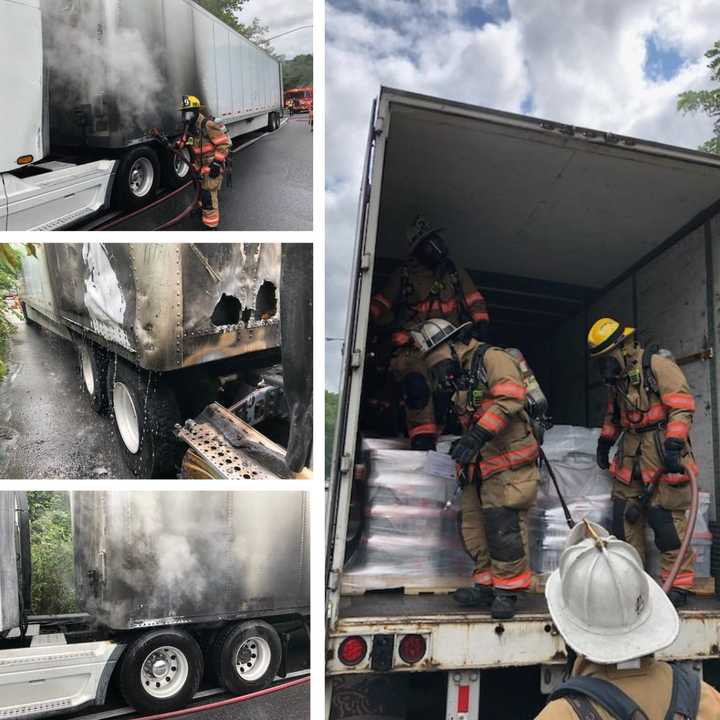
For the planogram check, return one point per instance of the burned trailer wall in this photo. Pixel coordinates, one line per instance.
(118, 68)
(9, 579)
(162, 558)
(231, 303)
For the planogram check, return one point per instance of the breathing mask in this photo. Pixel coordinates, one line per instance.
(189, 118)
(610, 369)
(432, 251)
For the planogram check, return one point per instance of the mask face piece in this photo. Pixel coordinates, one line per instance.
(189, 117)
(448, 375)
(432, 251)
(610, 369)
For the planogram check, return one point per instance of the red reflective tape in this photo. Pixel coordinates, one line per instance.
(220, 155)
(375, 311)
(220, 140)
(448, 306)
(474, 297)
(482, 577)
(463, 703)
(677, 429)
(623, 474)
(426, 429)
(682, 580)
(494, 423)
(400, 338)
(679, 401)
(422, 307)
(609, 431)
(508, 389)
(380, 298)
(509, 460)
(479, 316)
(654, 414)
(517, 582)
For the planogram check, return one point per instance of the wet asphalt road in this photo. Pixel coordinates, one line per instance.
(271, 189)
(47, 427)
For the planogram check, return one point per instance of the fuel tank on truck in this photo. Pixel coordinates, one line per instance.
(162, 306)
(157, 558)
(120, 67)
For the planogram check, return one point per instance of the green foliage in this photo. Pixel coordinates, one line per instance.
(53, 586)
(298, 72)
(706, 101)
(10, 259)
(227, 11)
(331, 409)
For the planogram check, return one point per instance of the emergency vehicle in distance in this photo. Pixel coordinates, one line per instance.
(299, 100)
(95, 79)
(524, 203)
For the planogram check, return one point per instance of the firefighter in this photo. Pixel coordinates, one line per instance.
(210, 144)
(613, 617)
(427, 285)
(496, 460)
(649, 413)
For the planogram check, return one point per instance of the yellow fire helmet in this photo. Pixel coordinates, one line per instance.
(190, 102)
(605, 335)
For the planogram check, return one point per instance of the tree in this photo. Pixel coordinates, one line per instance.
(53, 563)
(706, 101)
(331, 408)
(227, 10)
(298, 72)
(9, 266)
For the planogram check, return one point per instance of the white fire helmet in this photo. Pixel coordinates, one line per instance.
(432, 333)
(605, 606)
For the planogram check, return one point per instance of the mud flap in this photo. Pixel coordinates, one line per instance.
(296, 331)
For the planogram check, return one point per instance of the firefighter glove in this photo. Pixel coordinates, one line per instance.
(215, 169)
(469, 445)
(603, 453)
(671, 456)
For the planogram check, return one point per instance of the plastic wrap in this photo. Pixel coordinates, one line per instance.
(585, 487)
(411, 518)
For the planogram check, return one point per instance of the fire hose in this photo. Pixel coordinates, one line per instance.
(692, 514)
(230, 701)
(194, 180)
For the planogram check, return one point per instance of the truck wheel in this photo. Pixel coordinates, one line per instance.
(246, 656)
(175, 171)
(93, 371)
(145, 412)
(161, 671)
(137, 178)
(28, 321)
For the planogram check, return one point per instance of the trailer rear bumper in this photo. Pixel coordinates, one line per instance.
(58, 198)
(464, 642)
(47, 679)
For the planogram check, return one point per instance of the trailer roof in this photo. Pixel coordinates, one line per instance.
(524, 196)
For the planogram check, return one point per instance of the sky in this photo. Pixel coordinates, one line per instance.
(611, 65)
(282, 15)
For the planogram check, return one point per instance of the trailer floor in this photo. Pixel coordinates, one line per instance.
(386, 605)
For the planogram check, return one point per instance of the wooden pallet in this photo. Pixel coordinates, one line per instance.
(704, 586)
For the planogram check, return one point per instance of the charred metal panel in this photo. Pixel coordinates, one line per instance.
(154, 303)
(9, 580)
(153, 558)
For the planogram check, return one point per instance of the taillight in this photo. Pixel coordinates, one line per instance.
(352, 650)
(412, 648)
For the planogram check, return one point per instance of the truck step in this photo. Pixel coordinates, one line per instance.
(51, 639)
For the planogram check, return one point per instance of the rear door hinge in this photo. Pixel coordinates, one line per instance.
(365, 262)
(345, 464)
(379, 125)
(356, 359)
(333, 580)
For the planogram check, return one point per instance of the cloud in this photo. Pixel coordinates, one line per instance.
(281, 16)
(583, 63)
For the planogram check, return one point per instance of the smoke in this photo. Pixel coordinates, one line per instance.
(93, 59)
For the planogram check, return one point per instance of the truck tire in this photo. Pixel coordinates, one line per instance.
(246, 656)
(28, 321)
(160, 670)
(137, 178)
(93, 373)
(144, 411)
(175, 171)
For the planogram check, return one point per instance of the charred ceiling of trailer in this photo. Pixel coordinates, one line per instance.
(529, 198)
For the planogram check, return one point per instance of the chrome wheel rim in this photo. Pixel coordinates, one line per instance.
(142, 176)
(126, 417)
(87, 370)
(164, 672)
(253, 659)
(180, 167)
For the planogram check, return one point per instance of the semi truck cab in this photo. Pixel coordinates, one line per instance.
(37, 193)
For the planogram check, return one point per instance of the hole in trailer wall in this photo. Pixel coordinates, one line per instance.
(227, 311)
(266, 301)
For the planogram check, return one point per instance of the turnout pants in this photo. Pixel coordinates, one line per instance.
(410, 371)
(209, 202)
(494, 528)
(665, 513)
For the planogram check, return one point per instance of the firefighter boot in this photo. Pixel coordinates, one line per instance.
(474, 596)
(423, 442)
(504, 605)
(678, 597)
